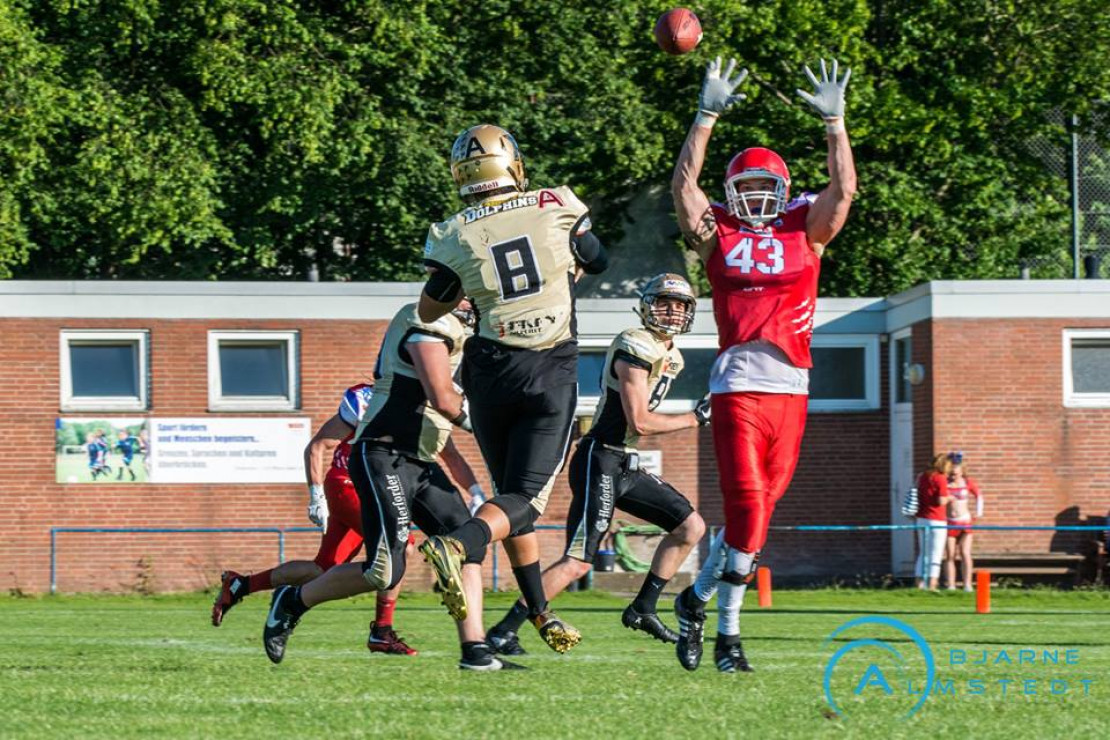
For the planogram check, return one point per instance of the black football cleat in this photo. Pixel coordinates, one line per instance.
(482, 658)
(648, 623)
(729, 655)
(505, 643)
(691, 623)
(279, 624)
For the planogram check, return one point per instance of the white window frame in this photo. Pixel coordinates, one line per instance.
(871, 382)
(896, 372)
(219, 402)
(1073, 399)
(70, 402)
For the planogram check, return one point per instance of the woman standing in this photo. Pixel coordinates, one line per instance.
(932, 521)
(962, 490)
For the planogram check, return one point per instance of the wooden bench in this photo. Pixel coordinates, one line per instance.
(1043, 567)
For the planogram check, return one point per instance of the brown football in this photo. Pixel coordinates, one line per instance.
(678, 31)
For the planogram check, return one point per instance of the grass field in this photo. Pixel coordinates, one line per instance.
(75, 469)
(99, 666)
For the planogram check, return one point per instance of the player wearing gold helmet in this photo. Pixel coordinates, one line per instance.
(515, 252)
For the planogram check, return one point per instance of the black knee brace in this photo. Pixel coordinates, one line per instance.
(741, 579)
(518, 508)
(475, 557)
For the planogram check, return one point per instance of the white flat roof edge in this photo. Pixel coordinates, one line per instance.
(352, 301)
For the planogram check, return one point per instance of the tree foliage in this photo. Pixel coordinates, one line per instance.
(250, 139)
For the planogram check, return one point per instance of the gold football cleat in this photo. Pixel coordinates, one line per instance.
(559, 635)
(445, 555)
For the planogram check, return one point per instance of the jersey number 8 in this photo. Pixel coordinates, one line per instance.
(518, 273)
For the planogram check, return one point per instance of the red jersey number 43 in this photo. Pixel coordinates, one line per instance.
(766, 256)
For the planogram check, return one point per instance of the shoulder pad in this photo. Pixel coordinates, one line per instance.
(640, 343)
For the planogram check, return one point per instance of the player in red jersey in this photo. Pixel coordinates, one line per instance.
(762, 255)
(334, 505)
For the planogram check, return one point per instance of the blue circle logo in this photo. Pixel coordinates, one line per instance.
(873, 675)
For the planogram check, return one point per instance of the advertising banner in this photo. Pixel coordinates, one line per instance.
(182, 450)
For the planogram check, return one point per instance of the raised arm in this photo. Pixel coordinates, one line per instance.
(695, 218)
(827, 215)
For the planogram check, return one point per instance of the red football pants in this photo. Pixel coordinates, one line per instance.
(343, 537)
(757, 437)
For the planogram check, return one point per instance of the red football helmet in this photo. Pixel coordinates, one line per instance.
(757, 207)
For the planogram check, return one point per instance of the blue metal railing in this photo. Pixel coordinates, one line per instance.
(282, 531)
(279, 531)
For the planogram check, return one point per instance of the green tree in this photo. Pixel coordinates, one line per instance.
(246, 139)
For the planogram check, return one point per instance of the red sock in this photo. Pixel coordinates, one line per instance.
(259, 581)
(383, 616)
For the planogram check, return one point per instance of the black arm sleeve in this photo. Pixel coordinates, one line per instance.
(444, 284)
(589, 253)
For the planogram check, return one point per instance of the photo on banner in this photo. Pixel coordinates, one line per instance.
(102, 450)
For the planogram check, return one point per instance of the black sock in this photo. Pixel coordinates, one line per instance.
(512, 621)
(474, 535)
(645, 601)
(469, 648)
(530, 580)
(295, 604)
(690, 598)
(724, 641)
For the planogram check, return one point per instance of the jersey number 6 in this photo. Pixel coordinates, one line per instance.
(518, 273)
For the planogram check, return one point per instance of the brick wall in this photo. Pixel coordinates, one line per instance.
(842, 476)
(999, 390)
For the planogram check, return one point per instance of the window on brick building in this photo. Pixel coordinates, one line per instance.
(845, 374)
(252, 370)
(104, 370)
(1087, 367)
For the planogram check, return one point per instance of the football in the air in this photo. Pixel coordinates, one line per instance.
(678, 31)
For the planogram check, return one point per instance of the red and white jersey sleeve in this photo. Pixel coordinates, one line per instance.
(354, 403)
(765, 282)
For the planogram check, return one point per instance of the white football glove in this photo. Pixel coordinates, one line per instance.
(718, 91)
(703, 410)
(317, 506)
(827, 97)
(477, 498)
(462, 421)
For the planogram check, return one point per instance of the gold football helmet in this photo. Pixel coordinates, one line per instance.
(486, 158)
(663, 319)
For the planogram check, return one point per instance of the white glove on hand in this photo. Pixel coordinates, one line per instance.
(827, 97)
(477, 498)
(703, 410)
(462, 421)
(718, 91)
(317, 506)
